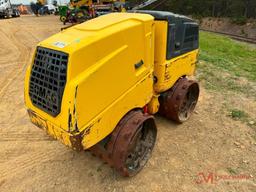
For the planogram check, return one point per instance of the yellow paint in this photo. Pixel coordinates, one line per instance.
(102, 74)
(153, 105)
(79, 3)
(169, 71)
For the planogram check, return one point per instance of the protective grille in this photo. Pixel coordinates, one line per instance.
(48, 79)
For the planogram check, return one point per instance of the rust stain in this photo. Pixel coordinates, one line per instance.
(116, 148)
(166, 73)
(76, 141)
(172, 101)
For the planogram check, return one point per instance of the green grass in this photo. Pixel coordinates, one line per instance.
(238, 114)
(232, 171)
(228, 55)
(227, 65)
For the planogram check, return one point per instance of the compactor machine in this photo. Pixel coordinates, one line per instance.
(96, 86)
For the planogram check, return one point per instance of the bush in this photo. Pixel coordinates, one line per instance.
(239, 20)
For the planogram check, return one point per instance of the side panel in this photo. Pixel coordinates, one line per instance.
(167, 72)
(104, 123)
(175, 68)
(117, 83)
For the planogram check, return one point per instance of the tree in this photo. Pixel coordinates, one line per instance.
(214, 8)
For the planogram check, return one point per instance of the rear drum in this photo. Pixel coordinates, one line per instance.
(179, 102)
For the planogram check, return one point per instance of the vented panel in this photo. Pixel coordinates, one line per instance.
(48, 80)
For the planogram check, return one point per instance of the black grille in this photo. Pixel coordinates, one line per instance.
(48, 79)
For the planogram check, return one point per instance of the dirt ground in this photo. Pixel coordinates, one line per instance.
(210, 152)
(227, 26)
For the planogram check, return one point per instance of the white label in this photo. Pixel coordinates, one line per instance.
(60, 44)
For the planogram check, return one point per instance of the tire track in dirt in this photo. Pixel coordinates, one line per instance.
(14, 73)
(23, 23)
(31, 137)
(8, 64)
(24, 162)
(16, 70)
(24, 56)
(23, 49)
(15, 131)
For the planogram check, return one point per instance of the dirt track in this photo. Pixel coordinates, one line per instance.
(31, 161)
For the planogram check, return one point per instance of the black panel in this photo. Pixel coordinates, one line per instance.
(164, 15)
(48, 80)
(182, 37)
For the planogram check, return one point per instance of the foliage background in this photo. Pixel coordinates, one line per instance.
(204, 8)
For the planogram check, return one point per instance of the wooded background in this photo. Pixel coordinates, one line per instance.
(204, 8)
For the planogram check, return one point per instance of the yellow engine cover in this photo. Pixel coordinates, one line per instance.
(115, 63)
(109, 73)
